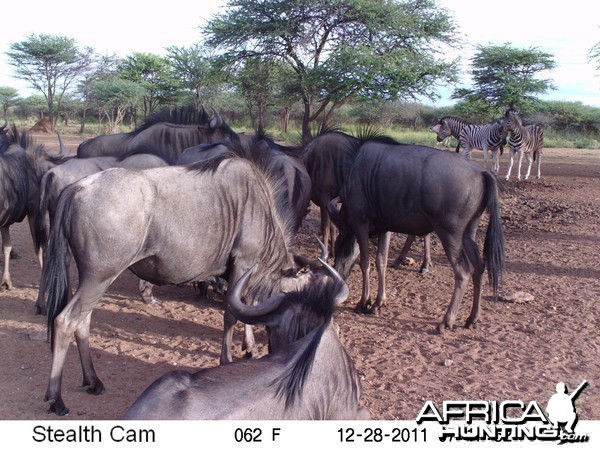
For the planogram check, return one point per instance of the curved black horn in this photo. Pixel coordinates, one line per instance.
(61, 151)
(248, 314)
(343, 294)
(313, 264)
(216, 121)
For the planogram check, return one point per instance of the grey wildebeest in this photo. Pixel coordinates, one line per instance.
(170, 132)
(22, 163)
(281, 162)
(307, 375)
(416, 190)
(325, 161)
(178, 224)
(56, 179)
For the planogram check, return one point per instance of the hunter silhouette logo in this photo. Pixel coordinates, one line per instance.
(561, 407)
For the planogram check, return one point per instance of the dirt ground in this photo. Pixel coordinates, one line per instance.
(522, 347)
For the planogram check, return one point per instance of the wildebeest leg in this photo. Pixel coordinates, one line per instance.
(75, 316)
(383, 247)
(6, 249)
(462, 268)
(229, 322)
(249, 344)
(426, 263)
(401, 259)
(146, 293)
(90, 379)
(478, 268)
(362, 236)
(328, 230)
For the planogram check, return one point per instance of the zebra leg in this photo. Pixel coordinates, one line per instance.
(519, 165)
(511, 160)
(539, 164)
(529, 163)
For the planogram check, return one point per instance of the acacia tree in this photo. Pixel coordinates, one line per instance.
(50, 64)
(341, 49)
(506, 76)
(196, 71)
(114, 97)
(8, 97)
(155, 75)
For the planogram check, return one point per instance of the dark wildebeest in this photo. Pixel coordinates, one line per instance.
(176, 225)
(326, 164)
(22, 163)
(416, 190)
(307, 376)
(59, 177)
(169, 132)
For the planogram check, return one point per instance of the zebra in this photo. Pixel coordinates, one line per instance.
(528, 140)
(475, 137)
(449, 126)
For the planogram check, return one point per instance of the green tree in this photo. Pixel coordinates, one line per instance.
(506, 76)
(594, 55)
(103, 67)
(114, 97)
(8, 97)
(50, 64)
(197, 73)
(341, 49)
(155, 75)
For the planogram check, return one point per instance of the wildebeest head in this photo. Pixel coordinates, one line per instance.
(346, 246)
(289, 316)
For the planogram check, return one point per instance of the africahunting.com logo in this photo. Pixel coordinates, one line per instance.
(508, 421)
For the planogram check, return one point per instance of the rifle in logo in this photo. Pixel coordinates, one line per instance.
(561, 407)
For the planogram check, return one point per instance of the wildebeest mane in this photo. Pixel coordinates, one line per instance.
(147, 149)
(363, 135)
(186, 115)
(317, 308)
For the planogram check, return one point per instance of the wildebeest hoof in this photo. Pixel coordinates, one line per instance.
(471, 323)
(58, 407)
(95, 390)
(424, 270)
(442, 327)
(6, 286)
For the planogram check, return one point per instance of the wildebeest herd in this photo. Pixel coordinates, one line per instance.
(201, 203)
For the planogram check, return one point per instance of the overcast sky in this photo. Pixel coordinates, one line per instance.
(566, 30)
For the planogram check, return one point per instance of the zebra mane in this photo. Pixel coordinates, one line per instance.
(314, 307)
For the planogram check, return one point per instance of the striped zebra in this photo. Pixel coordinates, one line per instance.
(483, 137)
(527, 140)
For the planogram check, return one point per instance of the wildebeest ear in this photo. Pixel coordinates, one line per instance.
(334, 211)
(216, 120)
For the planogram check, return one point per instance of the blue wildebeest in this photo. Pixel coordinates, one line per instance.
(326, 164)
(307, 375)
(170, 132)
(59, 177)
(416, 190)
(282, 162)
(177, 224)
(22, 163)
(525, 140)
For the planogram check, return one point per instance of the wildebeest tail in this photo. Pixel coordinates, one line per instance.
(41, 232)
(493, 248)
(55, 273)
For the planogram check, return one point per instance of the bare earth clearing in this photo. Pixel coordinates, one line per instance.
(520, 350)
